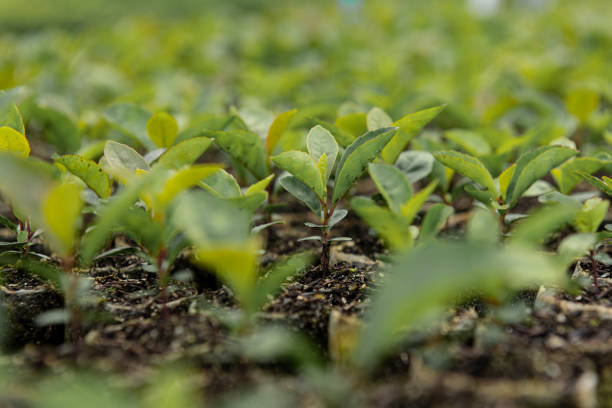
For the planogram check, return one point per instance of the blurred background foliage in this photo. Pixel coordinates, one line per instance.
(491, 60)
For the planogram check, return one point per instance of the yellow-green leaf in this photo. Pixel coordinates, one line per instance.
(566, 177)
(61, 210)
(184, 153)
(409, 126)
(162, 129)
(90, 172)
(182, 180)
(468, 166)
(393, 228)
(504, 180)
(277, 128)
(14, 142)
(582, 103)
(260, 186)
(412, 207)
(353, 123)
(303, 167)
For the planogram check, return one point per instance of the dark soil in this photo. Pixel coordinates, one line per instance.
(556, 351)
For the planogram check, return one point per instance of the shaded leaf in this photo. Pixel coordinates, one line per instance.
(245, 147)
(356, 158)
(302, 192)
(392, 184)
(415, 164)
(434, 220)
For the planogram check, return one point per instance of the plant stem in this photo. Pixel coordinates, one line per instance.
(325, 249)
(594, 270)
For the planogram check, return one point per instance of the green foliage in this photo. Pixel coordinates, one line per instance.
(88, 171)
(416, 287)
(162, 129)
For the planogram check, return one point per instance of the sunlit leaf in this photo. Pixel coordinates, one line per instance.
(184, 153)
(13, 141)
(378, 118)
(303, 167)
(410, 209)
(319, 141)
(162, 129)
(61, 209)
(277, 128)
(409, 126)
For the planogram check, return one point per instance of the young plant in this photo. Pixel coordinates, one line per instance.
(310, 173)
(502, 194)
(604, 184)
(46, 201)
(221, 236)
(394, 222)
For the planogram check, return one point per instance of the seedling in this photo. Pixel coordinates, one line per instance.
(222, 240)
(310, 173)
(394, 223)
(503, 193)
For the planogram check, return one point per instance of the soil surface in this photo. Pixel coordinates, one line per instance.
(548, 348)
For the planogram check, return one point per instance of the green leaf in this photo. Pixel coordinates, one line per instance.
(337, 216)
(504, 180)
(582, 103)
(434, 220)
(13, 141)
(575, 247)
(184, 153)
(343, 137)
(319, 141)
(353, 124)
(591, 215)
(566, 177)
(260, 186)
(59, 127)
(10, 115)
(604, 184)
(468, 166)
(392, 184)
(483, 228)
(112, 215)
(302, 166)
(534, 165)
(534, 229)
(222, 184)
(131, 120)
(61, 209)
(472, 142)
(410, 209)
(245, 147)
(249, 203)
(275, 275)
(162, 129)
(210, 221)
(378, 118)
(302, 192)
(6, 223)
(182, 180)
(415, 164)
(356, 158)
(409, 126)
(122, 162)
(89, 172)
(28, 183)
(277, 128)
(423, 282)
(484, 196)
(393, 228)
